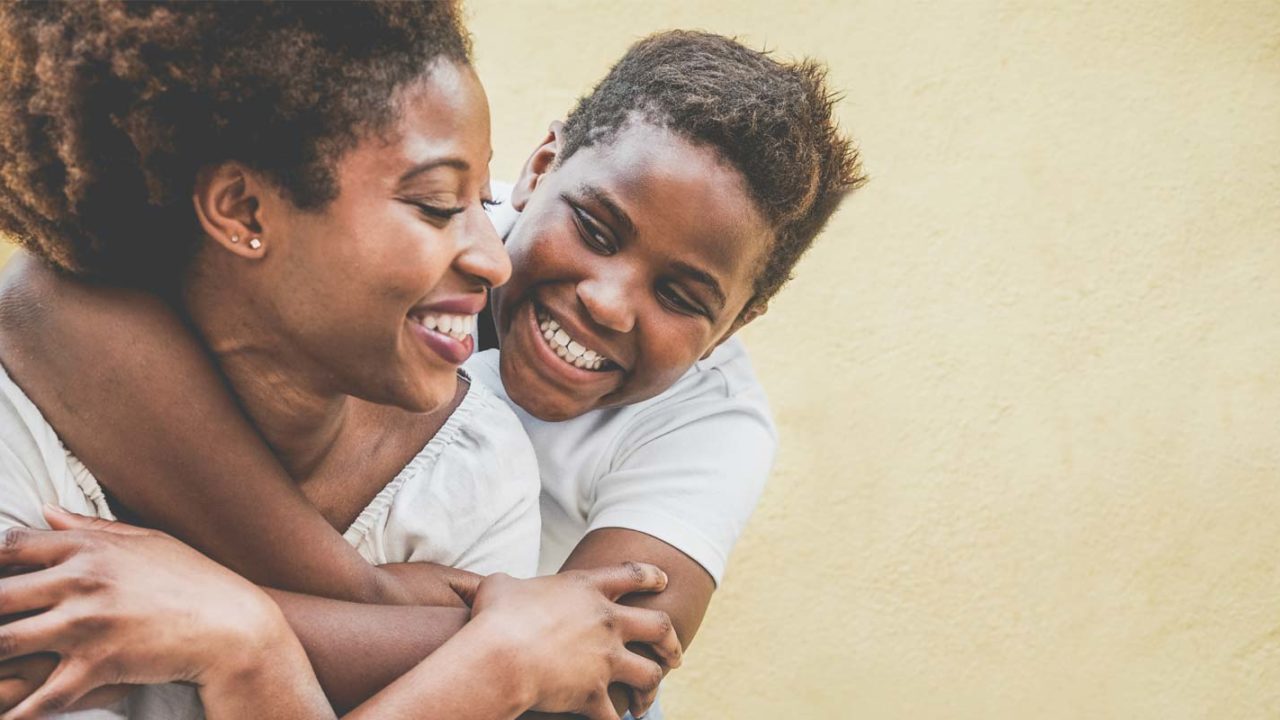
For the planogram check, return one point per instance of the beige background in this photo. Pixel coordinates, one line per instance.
(1028, 383)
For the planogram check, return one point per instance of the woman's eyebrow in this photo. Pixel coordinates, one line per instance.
(452, 161)
(603, 198)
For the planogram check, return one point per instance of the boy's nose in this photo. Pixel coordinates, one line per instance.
(608, 302)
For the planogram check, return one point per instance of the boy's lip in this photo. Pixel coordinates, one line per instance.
(579, 332)
(563, 374)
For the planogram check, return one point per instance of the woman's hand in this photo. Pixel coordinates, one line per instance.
(124, 605)
(567, 636)
(20, 677)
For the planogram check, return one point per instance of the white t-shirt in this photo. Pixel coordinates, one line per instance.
(467, 500)
(686, 467)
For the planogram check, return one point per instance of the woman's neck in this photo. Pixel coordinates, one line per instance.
(299, 415)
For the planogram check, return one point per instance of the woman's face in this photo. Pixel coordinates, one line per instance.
(631, 260)
(373, 295)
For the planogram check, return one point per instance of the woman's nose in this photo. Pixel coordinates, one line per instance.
(483, 257)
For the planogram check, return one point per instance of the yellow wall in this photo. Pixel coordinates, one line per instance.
(1028, 384)
(1042, 478)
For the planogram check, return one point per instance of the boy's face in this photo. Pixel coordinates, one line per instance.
(630, 261)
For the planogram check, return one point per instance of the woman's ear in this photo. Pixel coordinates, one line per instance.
(539, 164)
(751, 313)
(227, 201)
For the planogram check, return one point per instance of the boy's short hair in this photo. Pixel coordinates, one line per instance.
(771, 120)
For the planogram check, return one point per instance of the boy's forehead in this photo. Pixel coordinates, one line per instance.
(680, 194)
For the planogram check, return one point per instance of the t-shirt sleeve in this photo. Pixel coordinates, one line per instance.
(690, 476)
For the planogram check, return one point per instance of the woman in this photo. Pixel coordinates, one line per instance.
(336, 160)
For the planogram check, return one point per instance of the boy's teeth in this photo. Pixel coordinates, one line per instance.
(566, 348)
(457, 327)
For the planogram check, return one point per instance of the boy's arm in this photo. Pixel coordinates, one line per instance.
(134, 395)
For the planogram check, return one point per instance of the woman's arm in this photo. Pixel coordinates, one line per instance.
(132, 393)
(124, 605)
(171, 615)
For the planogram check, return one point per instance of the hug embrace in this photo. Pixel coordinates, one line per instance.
(302, 416)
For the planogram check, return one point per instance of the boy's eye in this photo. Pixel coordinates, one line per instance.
(490, 204)
(678, 302)
(592, 233)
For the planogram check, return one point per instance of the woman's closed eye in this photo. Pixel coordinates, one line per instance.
(445, 212)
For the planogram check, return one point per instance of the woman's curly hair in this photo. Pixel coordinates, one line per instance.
(108, 109)
(771, 120)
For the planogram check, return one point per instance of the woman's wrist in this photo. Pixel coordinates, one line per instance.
(238, 653)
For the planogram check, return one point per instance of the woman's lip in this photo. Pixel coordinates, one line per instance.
(568, 374)
(452, 351)
(458, 305)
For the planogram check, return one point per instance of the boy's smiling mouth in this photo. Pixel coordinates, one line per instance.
(568, 349)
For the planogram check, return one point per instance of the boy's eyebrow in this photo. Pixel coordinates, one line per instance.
(701, 277)
(619, 215)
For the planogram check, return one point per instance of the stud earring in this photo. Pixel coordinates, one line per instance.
(235, 238)
(255, 243)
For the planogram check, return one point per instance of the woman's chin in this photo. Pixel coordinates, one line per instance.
(422, 397)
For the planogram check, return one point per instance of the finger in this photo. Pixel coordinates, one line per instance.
(60, 518)
(35, 634)
(654, 628)
(600, 707)
(64, 687)
(465, 586)
(626, 578)
(105, 696)
(26, 546)
(642, 676)
(13, 691)
(33, 668)
(39, 590)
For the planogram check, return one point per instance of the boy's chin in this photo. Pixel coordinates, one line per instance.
(550, 409)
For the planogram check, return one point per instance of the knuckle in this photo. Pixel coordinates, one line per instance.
(86, 583)
(654, 679)
(664, 624)
(14, 538)
(90, 624)
(110, 671)
(636, 570)
(608, 617)
(8, 643)
(55, 702)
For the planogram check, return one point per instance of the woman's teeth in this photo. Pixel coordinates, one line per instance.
(568, 349)
(457, 327)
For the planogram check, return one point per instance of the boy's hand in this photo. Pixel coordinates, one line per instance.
(421, 583)
(569, 638)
